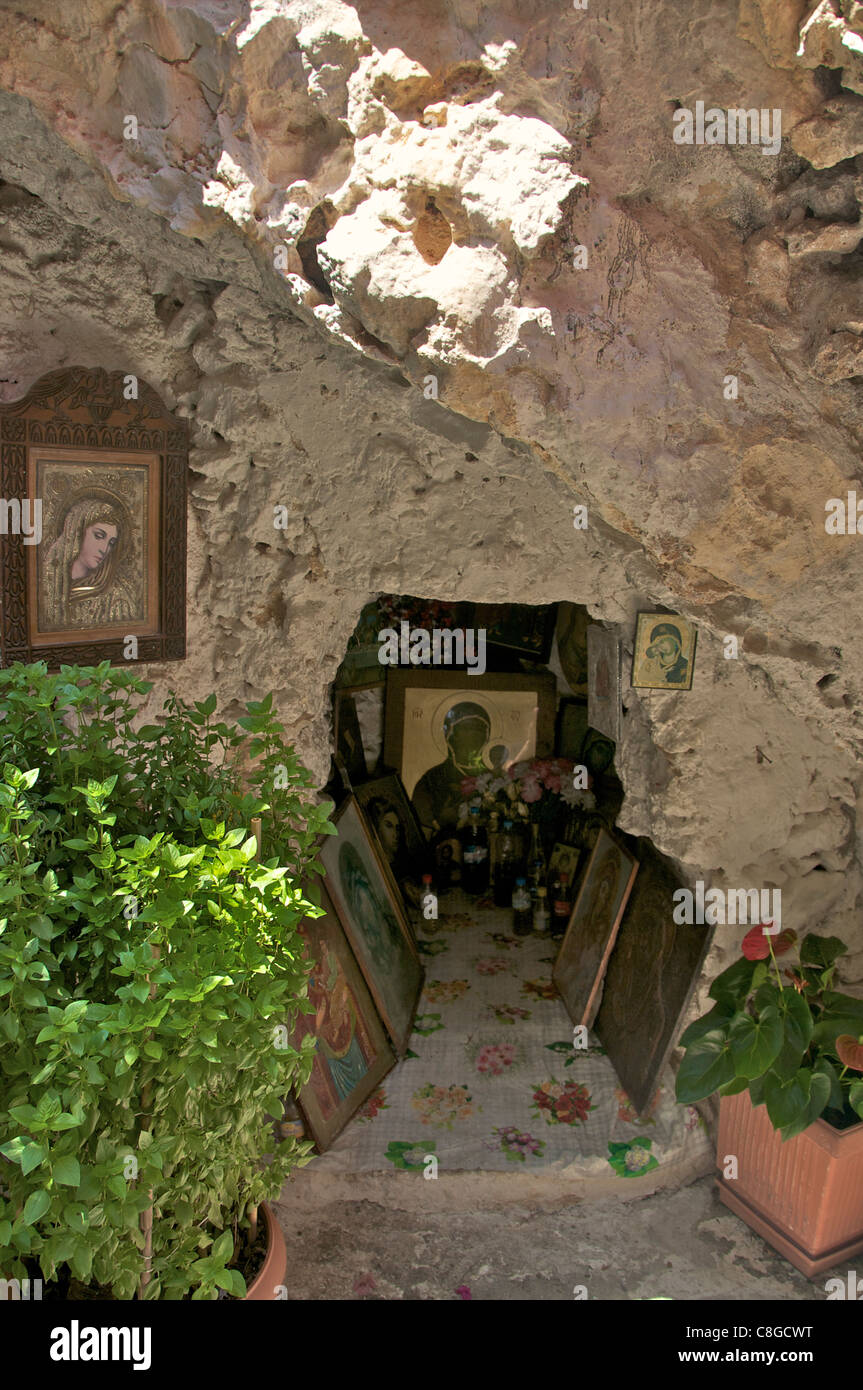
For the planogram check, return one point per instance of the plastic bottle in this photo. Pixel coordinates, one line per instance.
(429, 906)
(474, 874)
(522, 913)
(541, 914)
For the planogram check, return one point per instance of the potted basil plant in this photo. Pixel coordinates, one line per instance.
(152, 969)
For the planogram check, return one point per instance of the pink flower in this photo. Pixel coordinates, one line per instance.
(364, 1284)
(468, 785)
(464, 1292)
(490, 965)
(495, 1057)
(531, 790)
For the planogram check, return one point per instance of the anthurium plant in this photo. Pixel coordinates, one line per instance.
(787, 1036)
(151, 971)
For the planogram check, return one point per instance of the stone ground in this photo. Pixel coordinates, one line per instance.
(682, 1245)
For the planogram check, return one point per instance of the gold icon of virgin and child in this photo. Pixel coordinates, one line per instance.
(91, 565)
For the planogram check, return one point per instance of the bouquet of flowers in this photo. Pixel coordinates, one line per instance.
(562, 1103)
(526, 790)
(393, 609)
(388, 611)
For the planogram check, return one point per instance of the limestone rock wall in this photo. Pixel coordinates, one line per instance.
(288, 215)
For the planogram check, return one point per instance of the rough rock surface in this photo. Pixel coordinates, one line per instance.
(289, 215)
(683, 1245)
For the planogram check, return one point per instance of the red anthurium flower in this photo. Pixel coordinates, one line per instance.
(754, 946)
(755, 942)
(850, 1051)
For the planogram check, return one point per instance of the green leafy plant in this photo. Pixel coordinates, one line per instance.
(795, 1046)
(151, 972)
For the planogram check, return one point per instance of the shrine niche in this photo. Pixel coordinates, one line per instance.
(94, 522)
(556, 979)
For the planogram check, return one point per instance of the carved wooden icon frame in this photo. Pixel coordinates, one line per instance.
(106, 478)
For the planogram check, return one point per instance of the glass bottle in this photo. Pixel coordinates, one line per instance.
(446, 869)
(505, 869)
(493, 834)
(537, 867)
(522, 914)
(474, 874)
(560, 904)
(541, 915)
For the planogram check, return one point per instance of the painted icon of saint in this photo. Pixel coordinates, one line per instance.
(85, 578)
(372, 916)
(344, 1049)
(391, 837)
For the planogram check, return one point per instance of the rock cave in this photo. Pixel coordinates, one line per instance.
(446, 310)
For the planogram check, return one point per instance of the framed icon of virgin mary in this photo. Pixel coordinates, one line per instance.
(92, 522)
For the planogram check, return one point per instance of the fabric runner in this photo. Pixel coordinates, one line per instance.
(492, 1079)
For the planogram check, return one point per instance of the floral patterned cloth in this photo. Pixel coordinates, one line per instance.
(492, 1079)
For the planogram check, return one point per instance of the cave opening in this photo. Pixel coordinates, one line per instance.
(474, 1011)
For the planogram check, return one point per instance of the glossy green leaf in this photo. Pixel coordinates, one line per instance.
(716, 1020)
(81, 1260)
(825, 1068)
(798, 1019)
(36, 1206)
(821, 950)
(755, 1042)
(818, 1096)
(706, 1066)
(66, 1170)
(735, 1087)
(223, 1248)
(733, 985)
(25, 1152)
(788, 1102)
(830, 1027)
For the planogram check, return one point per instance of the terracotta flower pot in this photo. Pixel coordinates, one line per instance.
(263, 1288)
(805, 1197)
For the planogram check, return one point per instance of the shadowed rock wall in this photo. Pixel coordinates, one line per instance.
(319, 207)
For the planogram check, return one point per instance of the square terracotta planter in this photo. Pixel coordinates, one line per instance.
(805, 1197)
